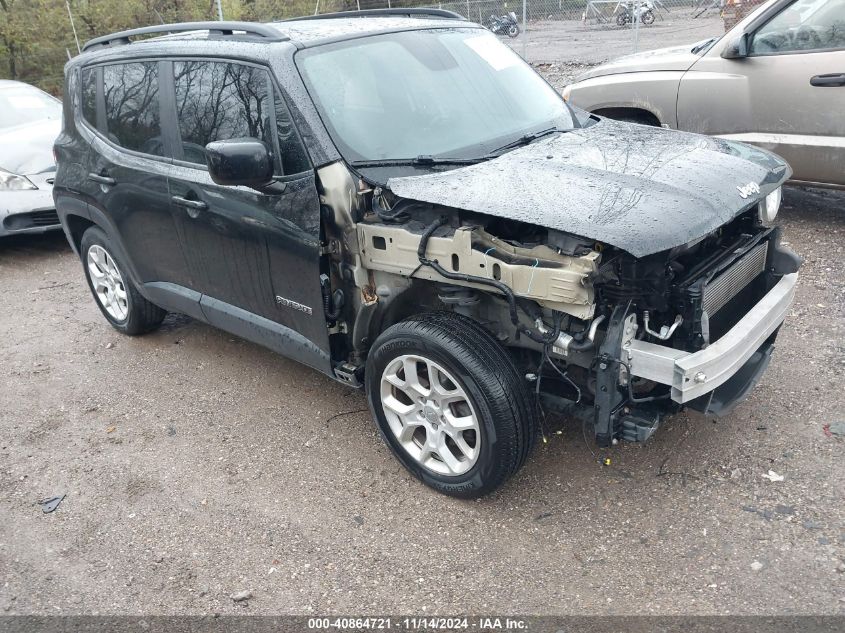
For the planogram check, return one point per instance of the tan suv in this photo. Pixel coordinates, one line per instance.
(777, 80)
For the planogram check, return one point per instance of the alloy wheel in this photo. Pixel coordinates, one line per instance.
(430, 414)
(107, 282)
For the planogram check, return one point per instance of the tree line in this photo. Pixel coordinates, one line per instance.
(36, 36)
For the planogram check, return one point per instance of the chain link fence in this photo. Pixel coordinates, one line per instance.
(563, 37)
(560, 37)
(587, 32)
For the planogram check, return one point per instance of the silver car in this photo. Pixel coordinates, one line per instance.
(776, 80)
(30, 121)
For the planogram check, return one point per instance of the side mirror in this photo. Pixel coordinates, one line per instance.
(737, 48)
(239, 161)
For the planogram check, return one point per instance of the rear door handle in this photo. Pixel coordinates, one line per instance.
(833, 80)
(103, 180)
(193, 206)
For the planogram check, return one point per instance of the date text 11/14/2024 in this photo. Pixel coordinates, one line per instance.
(423, 623)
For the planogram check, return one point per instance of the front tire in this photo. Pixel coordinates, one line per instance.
(450, 403)
(513, 30)
(116, 296)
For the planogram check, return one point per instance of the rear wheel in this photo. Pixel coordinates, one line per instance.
(115, 294)
(450, 403)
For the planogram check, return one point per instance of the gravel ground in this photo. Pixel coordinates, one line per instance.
(566, 41)
(197, 465)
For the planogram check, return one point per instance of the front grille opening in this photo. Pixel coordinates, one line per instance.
(32, 220)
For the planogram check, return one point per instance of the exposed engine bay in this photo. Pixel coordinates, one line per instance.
(587, 323)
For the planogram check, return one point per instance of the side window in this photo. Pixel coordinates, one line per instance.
(89, 96)
(294, 160)
(805, 25)
(132, 107)
(217, 101)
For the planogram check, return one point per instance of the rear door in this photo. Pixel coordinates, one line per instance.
(126, 173)
(787, 95)
(254, 254)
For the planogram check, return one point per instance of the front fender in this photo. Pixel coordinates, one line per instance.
(655, 92)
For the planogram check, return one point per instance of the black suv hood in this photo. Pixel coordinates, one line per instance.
(641, 189)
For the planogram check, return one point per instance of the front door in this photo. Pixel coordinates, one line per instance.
(787, 95)
(254, 254)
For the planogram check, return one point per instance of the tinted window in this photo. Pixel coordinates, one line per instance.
(294, 160)
(132, 108)
(217, 101)
(805, 25)
(89, 96)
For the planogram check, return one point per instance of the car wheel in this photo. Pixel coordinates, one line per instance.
(115, 294)
(450, 403)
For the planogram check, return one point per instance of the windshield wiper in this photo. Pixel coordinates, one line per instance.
(423, 160)
(525, 139)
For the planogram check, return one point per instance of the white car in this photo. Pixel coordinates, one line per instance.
(30, 121)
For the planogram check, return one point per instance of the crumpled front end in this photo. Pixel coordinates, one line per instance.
(625, 330)
(707, 357)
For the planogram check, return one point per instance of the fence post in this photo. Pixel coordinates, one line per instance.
(524, 29)
(635, 14)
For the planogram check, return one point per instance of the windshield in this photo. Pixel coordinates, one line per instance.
(21, 104)
(455, 93)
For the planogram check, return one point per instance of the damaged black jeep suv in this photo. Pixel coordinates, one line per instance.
(397, 200)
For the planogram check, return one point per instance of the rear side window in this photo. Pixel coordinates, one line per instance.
(217, 101)
(132, 106)
(89, 96)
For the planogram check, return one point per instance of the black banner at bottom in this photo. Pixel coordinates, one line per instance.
(428, 624)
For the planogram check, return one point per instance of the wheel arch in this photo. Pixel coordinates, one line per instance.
(75, 227)
(633, 114)
(417, 297)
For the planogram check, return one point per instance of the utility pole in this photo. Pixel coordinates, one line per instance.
(73, 26)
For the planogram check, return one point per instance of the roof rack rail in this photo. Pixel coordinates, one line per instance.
(219, 28)
(373, 13)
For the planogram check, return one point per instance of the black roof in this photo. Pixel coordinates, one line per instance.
(303, 32)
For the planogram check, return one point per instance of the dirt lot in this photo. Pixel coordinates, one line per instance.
(572, 41)
(197, 465)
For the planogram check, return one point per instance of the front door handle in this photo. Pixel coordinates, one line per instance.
(194, 206)
(832, 81)
(103, 180)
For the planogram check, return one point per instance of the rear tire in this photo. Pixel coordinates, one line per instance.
(115, 294)
(461, 375)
